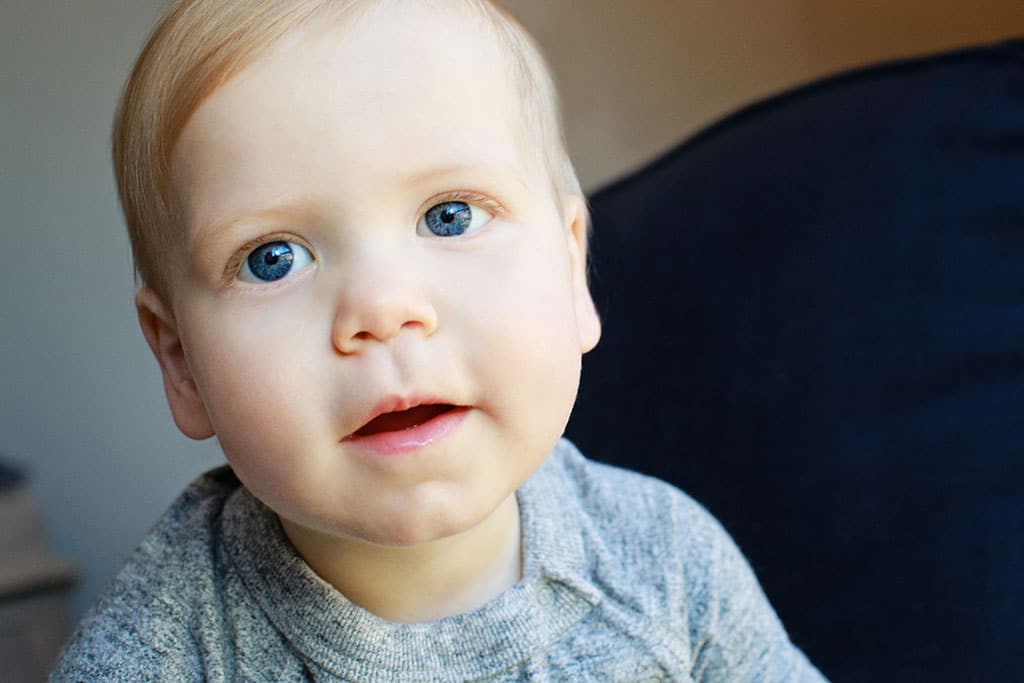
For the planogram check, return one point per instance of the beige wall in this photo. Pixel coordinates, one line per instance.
(638, 76)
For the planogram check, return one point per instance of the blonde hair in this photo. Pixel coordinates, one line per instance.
(199, 45)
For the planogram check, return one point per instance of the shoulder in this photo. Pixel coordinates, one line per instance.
(634, 508)
(644, 540)
(668, 566)
(141, 625)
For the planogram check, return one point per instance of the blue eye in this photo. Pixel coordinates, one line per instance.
(273, 261)
(449, 219)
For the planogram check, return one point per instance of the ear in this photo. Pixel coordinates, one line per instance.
(577, 221)
(161, 332)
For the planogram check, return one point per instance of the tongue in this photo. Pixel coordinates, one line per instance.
(404, 419)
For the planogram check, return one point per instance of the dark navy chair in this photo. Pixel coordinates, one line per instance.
(814, 324)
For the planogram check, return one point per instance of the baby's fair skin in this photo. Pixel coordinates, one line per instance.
(346, 149)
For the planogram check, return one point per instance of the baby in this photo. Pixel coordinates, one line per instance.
(362, 251)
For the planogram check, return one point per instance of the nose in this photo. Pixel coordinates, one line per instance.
(376, 304)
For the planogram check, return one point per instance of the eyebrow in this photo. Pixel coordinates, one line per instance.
(506, 171)
(284, 210)
(303, 204)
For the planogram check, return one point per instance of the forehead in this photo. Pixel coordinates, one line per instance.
(390, 92)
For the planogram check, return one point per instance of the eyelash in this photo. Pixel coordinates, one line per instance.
(234, 264)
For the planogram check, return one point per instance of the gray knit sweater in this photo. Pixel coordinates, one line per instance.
(624, 579)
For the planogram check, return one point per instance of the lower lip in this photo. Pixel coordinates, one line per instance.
(414, 438)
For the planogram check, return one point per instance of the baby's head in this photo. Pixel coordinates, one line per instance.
(363, 254)
(199, 45)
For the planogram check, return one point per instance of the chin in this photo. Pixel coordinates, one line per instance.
(423, 525)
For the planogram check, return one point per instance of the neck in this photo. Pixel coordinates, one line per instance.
(424, 582)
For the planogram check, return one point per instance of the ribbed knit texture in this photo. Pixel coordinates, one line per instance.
(624, 579)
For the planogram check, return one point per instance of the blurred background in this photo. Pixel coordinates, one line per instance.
(92, 455)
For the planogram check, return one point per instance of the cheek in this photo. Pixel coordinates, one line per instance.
(251, 374)
(529, 350)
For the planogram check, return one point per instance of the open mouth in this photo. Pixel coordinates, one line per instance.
(404, 419)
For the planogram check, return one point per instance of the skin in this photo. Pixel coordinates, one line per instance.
(339, 140)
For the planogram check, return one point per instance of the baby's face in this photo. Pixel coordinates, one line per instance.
(368, 234)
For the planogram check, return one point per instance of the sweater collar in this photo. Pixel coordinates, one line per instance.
(351, 643)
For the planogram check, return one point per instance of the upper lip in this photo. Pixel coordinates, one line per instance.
(394, 404)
